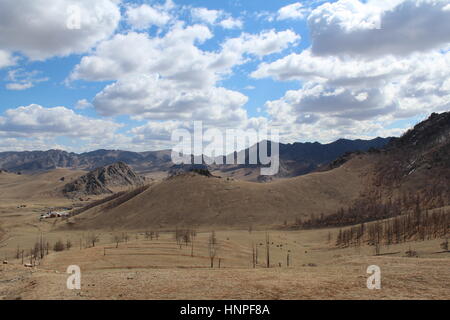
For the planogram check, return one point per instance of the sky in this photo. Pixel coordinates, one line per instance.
(81, 75)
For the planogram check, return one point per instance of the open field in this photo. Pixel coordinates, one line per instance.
(162, 269)
(140, 268)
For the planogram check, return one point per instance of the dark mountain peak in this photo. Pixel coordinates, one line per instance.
(430, 132)
(182, 169)
(100, 180)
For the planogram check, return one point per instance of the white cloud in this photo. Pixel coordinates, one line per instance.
(372, 29)
(151, 97)
(231, 23)
(19, 86)
(154, 130)
(378, 91)
(206, 15)
(83, 104)
(144, 16)
(342, 71)
(370, 64)
(38, 28)
(22, 80)
(6, 59)
(175, 56)
(27, 144)
(169, 77)
(35, 120)
(295, 11)
(263, 44)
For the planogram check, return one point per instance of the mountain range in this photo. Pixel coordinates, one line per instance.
(411, 169)
(295, 159)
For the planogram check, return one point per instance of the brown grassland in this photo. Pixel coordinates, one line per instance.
(140, 268)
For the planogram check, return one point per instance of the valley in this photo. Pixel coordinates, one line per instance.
(198, 234)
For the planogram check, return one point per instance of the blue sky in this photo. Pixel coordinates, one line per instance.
(132, 72)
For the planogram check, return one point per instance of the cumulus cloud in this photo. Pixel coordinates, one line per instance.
(293, 11)
(154, 130)
(155, 98)
(379, 90)
(35, 120)
(262, 44)
(83, 104)
(369, 65)
(27, 144)
(216, 18)
(206, 15)
(372, 29)
(6, 59)
(174, 56)
(39, 28)
(231, 23)
(144, 16)
(348, 71)
(336, 102)
(170, 77)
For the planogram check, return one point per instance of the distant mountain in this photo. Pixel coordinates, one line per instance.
(295, 159)
(101, 180)
(409, 172)
(34, 161)
(301, 158)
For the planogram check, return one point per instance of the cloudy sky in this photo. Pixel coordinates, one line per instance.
(135, 70)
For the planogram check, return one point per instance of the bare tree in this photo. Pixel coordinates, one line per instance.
(329, 237)
(93, 239)
(268, 250)
(444, 245)
(212, 247)
(116, 239)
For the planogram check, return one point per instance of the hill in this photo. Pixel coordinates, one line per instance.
(44, 187)
(192, 199)
(102, 180)
(410, 176)
(409, 170)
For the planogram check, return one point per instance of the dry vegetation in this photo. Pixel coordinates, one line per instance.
(140, 266)
(145, 247)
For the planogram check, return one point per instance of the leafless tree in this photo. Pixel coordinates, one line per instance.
(268, 250)
(444, 245)
(212, 247)
(116, 239)
(93, 238)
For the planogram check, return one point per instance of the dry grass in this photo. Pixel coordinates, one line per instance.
(160, 269)
(195, 200)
